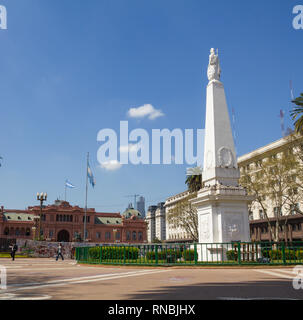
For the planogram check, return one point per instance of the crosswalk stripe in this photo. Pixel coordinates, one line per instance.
(275, 274)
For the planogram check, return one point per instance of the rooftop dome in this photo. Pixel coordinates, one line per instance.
(131, 212)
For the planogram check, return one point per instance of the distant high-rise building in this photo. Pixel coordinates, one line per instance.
(141, 206)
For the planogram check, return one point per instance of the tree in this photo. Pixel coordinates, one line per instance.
(194, 179)
(184, 216)
(297, 113)
(275, 184)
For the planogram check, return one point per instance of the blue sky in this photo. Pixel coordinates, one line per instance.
(70, 68)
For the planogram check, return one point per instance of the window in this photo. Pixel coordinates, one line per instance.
(98, 235)
(134, 235)
(107, 235)
(17, 232)
(140, 235)
(261, 214)
(250, 215)
(293, 208)
(118, 236)
(51, 233)
(127, 235)
(87, 219)
(6, 231)
(27, 232)
(277, 211)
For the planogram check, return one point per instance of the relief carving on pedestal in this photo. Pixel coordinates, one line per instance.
(232, 227)
(204, 228)
(225, 157)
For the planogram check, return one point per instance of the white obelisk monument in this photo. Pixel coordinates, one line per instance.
(221, 203)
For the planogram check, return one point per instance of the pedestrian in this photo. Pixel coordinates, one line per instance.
(59, 253)
(13, 252)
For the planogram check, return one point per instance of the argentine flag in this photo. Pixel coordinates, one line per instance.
(69, 185)
(90, 176)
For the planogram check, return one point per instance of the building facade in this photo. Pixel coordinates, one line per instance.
(63, 222)
(160, 222)
(175, 233)
(151, 223)
(291, 223)
(141, 206)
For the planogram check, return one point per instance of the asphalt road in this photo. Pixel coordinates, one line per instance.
(36, 279)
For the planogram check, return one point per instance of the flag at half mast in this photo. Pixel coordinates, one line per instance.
(90, 176)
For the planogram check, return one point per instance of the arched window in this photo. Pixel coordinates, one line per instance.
(140, 235)
(71, 218)
(64, 218)
(127, 235)
(57, 217)
(60, 217)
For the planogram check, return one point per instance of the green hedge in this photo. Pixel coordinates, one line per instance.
(113, 253)
(232, 255)
(189, 255)
(290, 254)
(163, 254)
(299, 254)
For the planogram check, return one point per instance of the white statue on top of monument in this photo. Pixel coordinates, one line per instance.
(214, 70)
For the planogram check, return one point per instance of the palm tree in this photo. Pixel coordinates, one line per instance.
(194, 179)
(297, 113)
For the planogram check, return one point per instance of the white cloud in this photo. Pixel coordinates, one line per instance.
(111, 165)
(147, 110)
(132, 147)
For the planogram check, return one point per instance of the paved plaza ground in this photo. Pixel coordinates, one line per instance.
(37, 279)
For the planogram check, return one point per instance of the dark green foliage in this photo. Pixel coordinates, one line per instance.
(163, 254)
(277, 254)
(232, 255)
(297, 113)
(113, 253)
(188, 255)
(299, 254)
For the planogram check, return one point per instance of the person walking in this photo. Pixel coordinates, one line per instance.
(59, 253)
(13, 252)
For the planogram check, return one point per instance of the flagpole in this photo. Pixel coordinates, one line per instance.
(85, 211)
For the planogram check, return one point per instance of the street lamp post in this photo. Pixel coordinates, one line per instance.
(41, 197)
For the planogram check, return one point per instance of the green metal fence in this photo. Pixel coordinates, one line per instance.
(235, 253)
